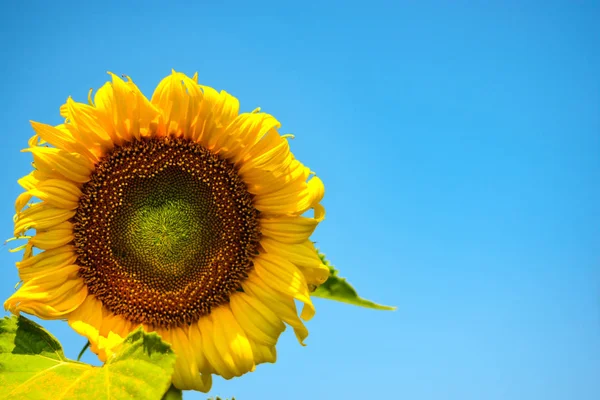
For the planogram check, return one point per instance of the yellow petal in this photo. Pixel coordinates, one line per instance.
(297, 201)
(270, 152)
(123, 103)
(219, 110)
(28, 274)
(58, 193)
(49, 296)
(316, 189)
(63, 111)
(287, 229)
(263, 353)
(224, 106)
(231, 341)
(104, 101)
(305, 257)
(86, 321)
(280, 304)
(49, 257)
(201, 363)
(116, 324)
(179, 99)
(284, 277)
(30, 180)
(287, 203)
(59, 235)
(291, 178)
(88, 129)
(62, 140)
(105, 330)
(207, 330)
(319, 212)
(71, 166)
(133, 115)
(256, 326)
(315, 276)
(302, 255)
(261, 314)
(244, 132)
(41, 216)
(22, 201)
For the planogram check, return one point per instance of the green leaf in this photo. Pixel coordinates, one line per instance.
(337, 288)
(33, 366)
(173, 394)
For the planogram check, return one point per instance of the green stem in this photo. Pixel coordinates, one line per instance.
(83, 350)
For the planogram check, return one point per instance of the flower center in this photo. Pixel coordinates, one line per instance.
(165, 230)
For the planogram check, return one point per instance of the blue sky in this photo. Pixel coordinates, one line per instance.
(458, 142)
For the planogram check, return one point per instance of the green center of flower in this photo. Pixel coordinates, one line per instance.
(165, 222)
(163, 233)
(165, 230)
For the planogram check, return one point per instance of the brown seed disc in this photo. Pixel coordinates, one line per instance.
(165, 231)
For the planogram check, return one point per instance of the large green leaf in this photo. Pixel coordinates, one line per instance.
(33, 366)
(337, 288)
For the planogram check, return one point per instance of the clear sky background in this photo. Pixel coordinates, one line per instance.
(458, 142)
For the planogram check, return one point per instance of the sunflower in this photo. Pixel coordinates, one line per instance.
(177, 214)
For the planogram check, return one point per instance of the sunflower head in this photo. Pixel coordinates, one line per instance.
(178, 214)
